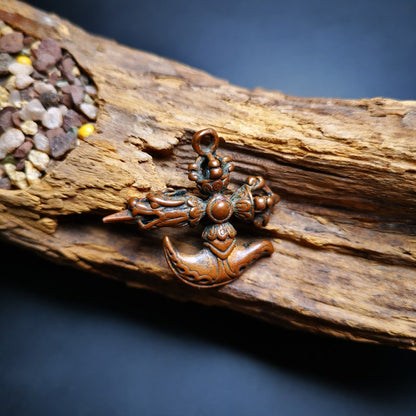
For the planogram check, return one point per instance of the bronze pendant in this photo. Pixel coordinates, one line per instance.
(221, 260)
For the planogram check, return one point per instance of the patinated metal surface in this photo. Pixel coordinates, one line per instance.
(222, 259)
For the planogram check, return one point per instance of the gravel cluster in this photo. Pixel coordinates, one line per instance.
(47, 103)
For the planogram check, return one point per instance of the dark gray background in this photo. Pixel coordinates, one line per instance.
(75, 344)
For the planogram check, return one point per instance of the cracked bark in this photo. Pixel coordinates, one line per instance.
(344, 232)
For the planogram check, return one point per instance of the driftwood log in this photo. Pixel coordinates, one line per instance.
(344, 232)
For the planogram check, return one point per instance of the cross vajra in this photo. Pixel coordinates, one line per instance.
(221, 260)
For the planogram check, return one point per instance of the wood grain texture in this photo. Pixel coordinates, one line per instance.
(344, 232)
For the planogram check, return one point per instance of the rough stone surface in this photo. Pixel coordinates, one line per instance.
(6, 118)
(23, 81)
(71, 119)
(16, 177)
(5, 61)
(23, 150)
(50, 99)
(11, 43)
(62, 144)
(52, 119)
(39, 159)
(32, 174)
(33, 110)
(89, 110)
(41, 142)
(43, 87)
(29, 127)
(20, 69)
(10, 140)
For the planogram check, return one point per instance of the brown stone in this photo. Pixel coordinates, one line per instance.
(66, 65)
(49, 46)
(5, 183)
(11, 43)
(62, 144)
(16, 119)
(5, 61)
(50, 99)
(44, 62)
(6, 118)
(77, 94)
(71, 119)
(23, 150)
(54, 132)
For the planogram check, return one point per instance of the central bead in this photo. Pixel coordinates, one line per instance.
(219, 209)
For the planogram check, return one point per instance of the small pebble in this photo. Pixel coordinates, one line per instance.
(91, 90)
(77, 94)
(54, 132)
(33, 110)
(32, 174)
(17, 178)
(85, 130)
(5, 61)
(50, 99)
(6, 118)
(23, 59)
(43, 87)
(6, 30)
(71, 119)
(10, 83)
(52, 119)
(17, 68)
(11, 43)
(39, 159)
(23, 150)
(5, 183)
(41, 142)
(15, 99)
(89, 110)
(16, 119)
(62, 144)
(29, 127)
(23, 81)
(50, 47)
(10, 140)
(4, 95)
(64, 109)
(44, 62)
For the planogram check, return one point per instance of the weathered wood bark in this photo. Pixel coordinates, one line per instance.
(344, 232)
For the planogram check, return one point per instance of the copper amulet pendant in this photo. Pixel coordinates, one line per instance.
(221, 260)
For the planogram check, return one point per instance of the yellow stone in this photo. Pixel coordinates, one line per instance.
(85, 130)
(22, 59)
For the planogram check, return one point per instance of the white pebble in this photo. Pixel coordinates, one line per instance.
(91, 90)
(42, 87)
(64, 109)
(20, 69)
(41, 142)
(29, 127)
(33, 110)
(52, 119)
(16, 177)
(39, 159)
(10, 140)
(23, 81)
(89, 110)
(15, 99)
(32, 174)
